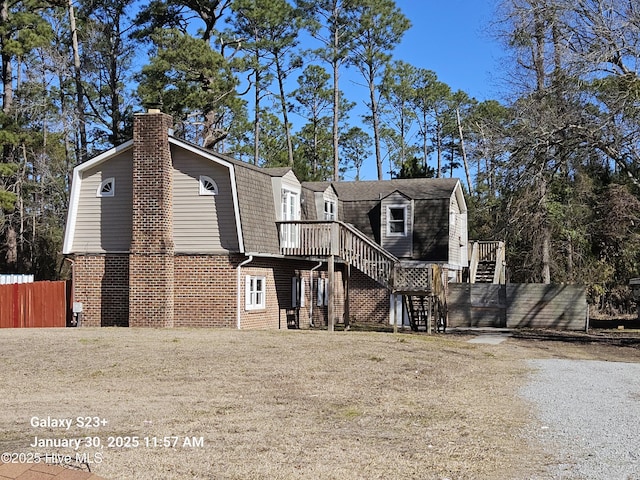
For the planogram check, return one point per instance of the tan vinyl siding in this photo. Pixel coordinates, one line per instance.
(201, 223)
(103, 224)
(399, 245)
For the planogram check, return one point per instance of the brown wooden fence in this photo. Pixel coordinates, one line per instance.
(38, 304)
(561, 307)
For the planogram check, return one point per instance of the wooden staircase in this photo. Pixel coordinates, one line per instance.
(487, 262)
(421, 286)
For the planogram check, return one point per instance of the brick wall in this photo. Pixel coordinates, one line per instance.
(151, 267)
(369, 302)
(101, 283)
(205, 290)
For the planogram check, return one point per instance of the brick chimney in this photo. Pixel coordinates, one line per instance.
(151, 267)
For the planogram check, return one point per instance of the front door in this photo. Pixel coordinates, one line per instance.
(290, 211)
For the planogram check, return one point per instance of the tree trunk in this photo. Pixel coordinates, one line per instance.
(78, 81)
(256, 118)
(336, 95)
(438, 151)
(7, 72)
(464, 153)
(336, 109)
(376, 122)
(285, 115)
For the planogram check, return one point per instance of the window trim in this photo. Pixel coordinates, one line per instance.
(111, 192)
(405, 210)
(255, 299)
(203, 190)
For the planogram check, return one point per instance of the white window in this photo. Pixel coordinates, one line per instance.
(208, 186)
(107, 188)
(397, 220)
(254, 293)
(297, 292)
(329, 210)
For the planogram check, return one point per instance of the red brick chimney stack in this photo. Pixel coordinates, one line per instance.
(151, 263)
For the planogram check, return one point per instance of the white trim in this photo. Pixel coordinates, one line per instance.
(405, 209)
(250, 299)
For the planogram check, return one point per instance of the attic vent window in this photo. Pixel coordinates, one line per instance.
(107, 188)
(208, 186)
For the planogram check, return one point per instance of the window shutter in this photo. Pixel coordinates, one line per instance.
(326, 292)
(294, 292)
(320, 296)
(302, 298)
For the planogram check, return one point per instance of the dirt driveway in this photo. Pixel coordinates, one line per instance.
(212, 404)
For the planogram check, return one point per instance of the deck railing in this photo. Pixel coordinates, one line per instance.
(487, 252)
(326, 238)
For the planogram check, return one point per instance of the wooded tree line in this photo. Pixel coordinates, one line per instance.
(552, 167)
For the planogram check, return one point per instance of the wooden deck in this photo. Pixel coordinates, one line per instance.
(318, 240)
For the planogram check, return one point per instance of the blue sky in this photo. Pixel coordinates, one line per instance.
(450, 38)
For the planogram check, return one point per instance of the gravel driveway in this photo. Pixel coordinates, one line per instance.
(590, 417)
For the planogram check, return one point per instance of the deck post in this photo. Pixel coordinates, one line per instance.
(330, 307)
(347, 278)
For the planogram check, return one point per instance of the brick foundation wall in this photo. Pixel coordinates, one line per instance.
(101, 283)
(205, 290)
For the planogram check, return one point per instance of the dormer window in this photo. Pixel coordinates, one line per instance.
(329, 210)
(208, 186)
(107, 188)
(397, 220)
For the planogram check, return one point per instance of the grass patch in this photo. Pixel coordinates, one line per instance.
(281, 404)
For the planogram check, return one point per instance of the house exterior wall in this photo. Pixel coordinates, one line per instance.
(201, 223)
(431, 230)
(205, 290)
(101, 284)
(104, 223)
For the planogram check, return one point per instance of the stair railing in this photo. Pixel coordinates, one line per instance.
(326, 238)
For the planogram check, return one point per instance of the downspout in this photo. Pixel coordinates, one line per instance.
(311, 293)
(73, 289)
(238, 278)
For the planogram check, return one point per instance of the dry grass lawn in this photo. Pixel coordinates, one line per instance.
(281, 405)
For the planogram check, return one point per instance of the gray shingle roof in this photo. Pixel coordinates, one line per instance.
(414, 188)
